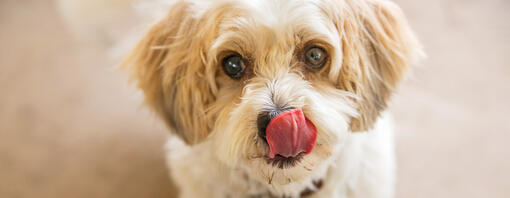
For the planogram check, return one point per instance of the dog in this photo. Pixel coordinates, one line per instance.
(273, 98)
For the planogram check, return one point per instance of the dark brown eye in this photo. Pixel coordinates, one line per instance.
(315, 57)
(234, 66)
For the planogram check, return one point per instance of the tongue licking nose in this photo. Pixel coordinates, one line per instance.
(290, 133)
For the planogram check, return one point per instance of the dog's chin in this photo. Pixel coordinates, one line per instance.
(287, 170)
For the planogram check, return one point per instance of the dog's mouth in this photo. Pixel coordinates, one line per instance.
(284, 162)
(290, 134)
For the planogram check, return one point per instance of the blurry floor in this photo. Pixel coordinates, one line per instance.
(70, 126)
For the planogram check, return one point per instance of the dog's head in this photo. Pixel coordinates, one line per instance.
(276, 85)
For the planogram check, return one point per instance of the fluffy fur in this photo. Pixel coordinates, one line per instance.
(216, 151)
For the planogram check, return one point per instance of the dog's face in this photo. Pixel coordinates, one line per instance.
(277, 86)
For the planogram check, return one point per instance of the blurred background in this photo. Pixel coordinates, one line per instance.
(71, 125)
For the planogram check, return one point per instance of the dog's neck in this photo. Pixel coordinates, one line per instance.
(237, 181)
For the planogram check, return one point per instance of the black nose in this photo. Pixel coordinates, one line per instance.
(265, 117)
(263, 120)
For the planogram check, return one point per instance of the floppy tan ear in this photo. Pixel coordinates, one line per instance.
(378, 48)
(169, 69)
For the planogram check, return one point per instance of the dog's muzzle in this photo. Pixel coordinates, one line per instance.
(287, 133)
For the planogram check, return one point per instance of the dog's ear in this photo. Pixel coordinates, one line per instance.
(378, 48)
(168, 66)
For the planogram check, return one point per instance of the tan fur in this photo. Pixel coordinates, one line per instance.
(378, 47)
(174, 82)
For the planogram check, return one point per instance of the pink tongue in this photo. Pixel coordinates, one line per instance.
(290, 133)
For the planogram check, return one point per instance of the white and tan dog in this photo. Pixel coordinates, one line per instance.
(277, 98)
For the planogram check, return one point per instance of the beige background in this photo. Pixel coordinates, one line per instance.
(70, 126)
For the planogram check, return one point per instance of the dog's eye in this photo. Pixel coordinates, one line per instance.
(315, 57)
(234, 66)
